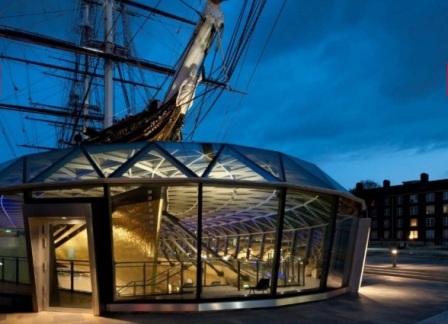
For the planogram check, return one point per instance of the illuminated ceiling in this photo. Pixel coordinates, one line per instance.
(227, 171)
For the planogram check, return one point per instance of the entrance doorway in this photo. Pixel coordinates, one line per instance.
(62, 257)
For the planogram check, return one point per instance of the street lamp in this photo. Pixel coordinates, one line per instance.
(394, 253)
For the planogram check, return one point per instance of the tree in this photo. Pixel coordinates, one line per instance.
(369, 184)
(366, 184)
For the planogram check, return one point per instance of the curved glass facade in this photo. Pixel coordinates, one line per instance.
(187, 223)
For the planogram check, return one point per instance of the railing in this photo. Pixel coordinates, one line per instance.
(14, 269)
(291, 272)
(74, 275)
(141, 281)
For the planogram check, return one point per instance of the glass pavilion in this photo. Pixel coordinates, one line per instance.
(172, 226)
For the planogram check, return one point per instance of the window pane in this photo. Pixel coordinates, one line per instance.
(238, 245)
(338, 262)
(305, 213)
(430, 197)
(154, 238)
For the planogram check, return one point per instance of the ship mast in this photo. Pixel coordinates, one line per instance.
(157, 122)
(108, 64)
(85, 37)
(188, 76)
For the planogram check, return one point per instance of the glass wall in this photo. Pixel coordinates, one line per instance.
(343, 241)
(13, 256)
(239, 226)
(198, 221)
(154, 241)
(341, 249)
(306, 219)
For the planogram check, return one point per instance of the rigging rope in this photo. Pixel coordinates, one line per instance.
(256, 65)
(5, 134)
(238, 43)
(191, 7)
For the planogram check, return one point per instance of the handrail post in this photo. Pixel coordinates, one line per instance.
(3, 268)
(258, 269)
(72, 281)
(181, 275)
(239, 275)
(17, 270)
(168, 281)
(144, 278)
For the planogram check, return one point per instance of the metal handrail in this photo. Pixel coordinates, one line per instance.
(159, 278)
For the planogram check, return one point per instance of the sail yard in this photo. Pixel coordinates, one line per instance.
(55, 56)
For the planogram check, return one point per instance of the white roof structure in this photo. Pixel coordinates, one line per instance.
(228, 172)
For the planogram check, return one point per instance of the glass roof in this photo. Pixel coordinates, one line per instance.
(164, 160)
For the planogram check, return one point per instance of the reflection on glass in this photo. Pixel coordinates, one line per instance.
(239, 226)
(339, 267)
(155, 242)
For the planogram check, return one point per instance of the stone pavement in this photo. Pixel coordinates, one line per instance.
(381, 299)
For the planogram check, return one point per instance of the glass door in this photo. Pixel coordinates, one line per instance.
(63, 263)
(68, 263)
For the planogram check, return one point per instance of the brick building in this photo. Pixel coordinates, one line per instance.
(414, 212)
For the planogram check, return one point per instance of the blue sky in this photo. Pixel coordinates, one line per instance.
(356, 86)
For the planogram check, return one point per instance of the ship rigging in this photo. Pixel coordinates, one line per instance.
(120, 88)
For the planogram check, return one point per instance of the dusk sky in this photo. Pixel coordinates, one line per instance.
(357, 87)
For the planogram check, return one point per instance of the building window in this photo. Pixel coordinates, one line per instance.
(430, 197)
(399, 223)
(430, 222)
(386, 235)
(400, 211)
(374, 223)
(414, 222)
(386, 201)
(386, 223)
(373, 203)
(374, 212)
(399, 200)
(413, 235)
(399, 235)
(445, 234)
(387, 212)
(445, 195)
(413, 199)
(445, 221)
(374, 235)
(430, 234)
(445, 208)
(430, 209)
(413, 210)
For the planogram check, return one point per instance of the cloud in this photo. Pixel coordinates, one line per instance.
(347, 82)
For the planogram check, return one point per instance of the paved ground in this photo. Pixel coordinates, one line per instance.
(381, 299)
